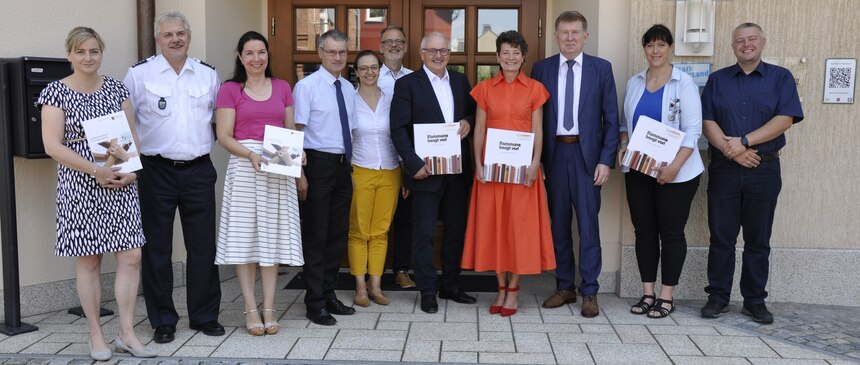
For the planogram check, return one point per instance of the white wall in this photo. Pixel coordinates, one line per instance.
(39, 28)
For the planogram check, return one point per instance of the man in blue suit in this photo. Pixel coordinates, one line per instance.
(434, 94)
(580, 131)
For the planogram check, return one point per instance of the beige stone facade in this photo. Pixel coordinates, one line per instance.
(815, 244)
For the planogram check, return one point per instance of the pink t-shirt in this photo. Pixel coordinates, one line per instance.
(252, 116)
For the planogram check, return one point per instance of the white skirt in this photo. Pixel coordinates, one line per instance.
(259, 216)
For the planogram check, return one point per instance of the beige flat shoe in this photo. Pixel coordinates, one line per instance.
(361, 300)
(378, 299)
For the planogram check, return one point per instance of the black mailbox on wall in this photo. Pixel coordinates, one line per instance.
(26, 77)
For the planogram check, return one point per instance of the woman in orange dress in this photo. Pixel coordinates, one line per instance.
(508, 229)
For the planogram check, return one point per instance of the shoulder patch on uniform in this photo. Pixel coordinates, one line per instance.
(144, 61)
(203, 63)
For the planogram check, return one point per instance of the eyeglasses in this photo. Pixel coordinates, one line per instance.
(364, 69)
(333, 53)
(393, 42)
(433, 51)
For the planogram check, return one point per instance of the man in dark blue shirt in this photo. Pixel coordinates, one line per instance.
(746, 108)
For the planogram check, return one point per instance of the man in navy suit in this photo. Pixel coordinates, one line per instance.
(580, 130)
(434, 95)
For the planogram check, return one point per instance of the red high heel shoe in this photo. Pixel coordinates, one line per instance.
(507, 312)
(497, 308)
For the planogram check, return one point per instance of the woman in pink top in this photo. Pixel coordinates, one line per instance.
(259, 211)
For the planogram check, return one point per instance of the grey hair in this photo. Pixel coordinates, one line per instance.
(434, 34)
(334, 35)
(748, 25)
(171, 15)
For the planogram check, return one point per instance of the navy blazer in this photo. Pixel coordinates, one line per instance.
(598, 111)
(415, 102)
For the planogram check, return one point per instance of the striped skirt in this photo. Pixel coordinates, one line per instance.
(259, 216)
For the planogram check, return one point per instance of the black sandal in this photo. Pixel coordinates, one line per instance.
(642, 304)
(659, 310)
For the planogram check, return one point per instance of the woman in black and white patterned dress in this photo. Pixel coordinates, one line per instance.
(98, 210)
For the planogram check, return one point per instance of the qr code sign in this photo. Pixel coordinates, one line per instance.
(840, 78)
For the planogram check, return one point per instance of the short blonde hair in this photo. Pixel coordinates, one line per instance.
(80, 34)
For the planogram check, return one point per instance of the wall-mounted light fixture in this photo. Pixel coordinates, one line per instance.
(694, 27)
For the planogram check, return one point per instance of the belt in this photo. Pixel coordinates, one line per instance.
(180, 163)
(337, 157)
(765, 156)
(567, 139)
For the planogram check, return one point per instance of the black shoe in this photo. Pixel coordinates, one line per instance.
(458, 296)
(714, 309)
(212, 328)
(335, 306)
(321, 317)
(758, 312)
(428, 304)
(164, 333)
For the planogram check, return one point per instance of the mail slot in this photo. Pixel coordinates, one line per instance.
(27, 76)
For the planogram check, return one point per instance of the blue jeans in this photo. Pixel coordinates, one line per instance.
(741, 197)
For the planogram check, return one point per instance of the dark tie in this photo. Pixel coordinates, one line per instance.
(344, 121)
(568, 97)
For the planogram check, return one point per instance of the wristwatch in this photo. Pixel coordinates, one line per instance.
(745, 141)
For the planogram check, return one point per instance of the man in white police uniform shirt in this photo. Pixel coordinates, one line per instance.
(173, 97)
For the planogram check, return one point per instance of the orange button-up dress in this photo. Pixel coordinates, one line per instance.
(509, 228)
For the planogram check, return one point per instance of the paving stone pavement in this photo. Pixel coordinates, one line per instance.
(834, 329)
(462, 334)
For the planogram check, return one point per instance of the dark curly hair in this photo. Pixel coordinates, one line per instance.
(513, 38)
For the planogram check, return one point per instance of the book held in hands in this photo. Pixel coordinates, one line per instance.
(438, 144)
(652, 146)
(112, 143)
(507, 155)
(283, 150)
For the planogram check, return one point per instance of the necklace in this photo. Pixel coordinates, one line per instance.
(264, 87)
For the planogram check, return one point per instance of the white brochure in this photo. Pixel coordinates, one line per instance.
(111, 142)
(507, 155)
(652, 145)
(283, 150)
(438, 144)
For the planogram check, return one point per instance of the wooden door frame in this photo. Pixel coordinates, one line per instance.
(280, 24)
(532, 14)
(409, 14)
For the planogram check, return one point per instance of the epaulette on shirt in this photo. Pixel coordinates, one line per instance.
(203, 63)
(143, 61)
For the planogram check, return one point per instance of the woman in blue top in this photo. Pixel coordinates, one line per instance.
(659, 207)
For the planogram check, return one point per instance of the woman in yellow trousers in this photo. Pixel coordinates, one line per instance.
(376, 181)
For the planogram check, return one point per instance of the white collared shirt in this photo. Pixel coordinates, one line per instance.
(387, 77)
(442, 89)
(371, 139)
(562, 94)
(688, 117)
(174, 111)
(316, 108)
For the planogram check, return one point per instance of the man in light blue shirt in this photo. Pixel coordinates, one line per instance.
(324, 111)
